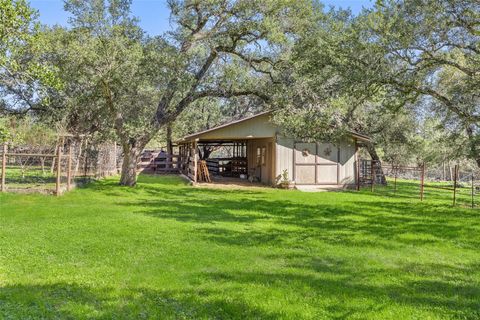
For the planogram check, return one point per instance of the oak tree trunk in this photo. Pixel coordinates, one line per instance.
(169, 140)
(131, 154)
(374, 155)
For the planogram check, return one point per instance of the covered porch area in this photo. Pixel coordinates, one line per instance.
(239, 162)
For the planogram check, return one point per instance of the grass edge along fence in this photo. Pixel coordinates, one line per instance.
(371, 173)
(57, 157)
(72, 160)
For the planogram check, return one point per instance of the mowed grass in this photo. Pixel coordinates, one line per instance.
(166, 250)
(32, 178)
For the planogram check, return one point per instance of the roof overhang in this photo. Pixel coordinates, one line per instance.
(360, 137)
(198, 135)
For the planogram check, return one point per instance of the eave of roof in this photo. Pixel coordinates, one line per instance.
(360, 136)
(195, 135)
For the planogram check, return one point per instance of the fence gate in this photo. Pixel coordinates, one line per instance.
(370, 172)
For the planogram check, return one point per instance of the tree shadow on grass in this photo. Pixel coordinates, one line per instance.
(358, 223)
(354, 289)
(291, 228)
(260, 218)
(70, 301)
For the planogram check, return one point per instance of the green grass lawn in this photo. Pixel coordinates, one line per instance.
(168, 250)
(32, 178)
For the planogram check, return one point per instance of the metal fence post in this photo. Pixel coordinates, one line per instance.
(455, 177)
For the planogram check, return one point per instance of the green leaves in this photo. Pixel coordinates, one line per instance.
(25, 76)
(15, 22)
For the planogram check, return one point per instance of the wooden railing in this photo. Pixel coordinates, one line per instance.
(230, 167)
(166, 163)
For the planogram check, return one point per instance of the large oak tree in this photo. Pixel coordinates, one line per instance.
(116, 77)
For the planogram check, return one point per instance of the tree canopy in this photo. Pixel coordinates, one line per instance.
(405, 72)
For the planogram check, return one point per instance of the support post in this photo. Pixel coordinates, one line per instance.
(455, 177)
(195, 162)
(4, 166)
(59, 169)
(358, 175)
(69, 168)
(395, 179)
(422, 182)
(357, 165)
(85, 163)
(473, 190)
(373, 175)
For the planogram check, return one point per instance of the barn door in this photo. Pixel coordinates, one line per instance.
(263, 158)
(327, 164)
(305, 163)
(316, 163)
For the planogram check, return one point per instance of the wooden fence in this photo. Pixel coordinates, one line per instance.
(57, 157)
(228, 167)
(166, 163)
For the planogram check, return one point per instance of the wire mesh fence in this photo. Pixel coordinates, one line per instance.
(58, 168)
(453, 186)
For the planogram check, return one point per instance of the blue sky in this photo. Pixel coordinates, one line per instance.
(154, 14)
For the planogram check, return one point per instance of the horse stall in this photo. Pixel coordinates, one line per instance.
(219, 159)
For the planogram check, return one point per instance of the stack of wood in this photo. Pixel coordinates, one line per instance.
(203, 174)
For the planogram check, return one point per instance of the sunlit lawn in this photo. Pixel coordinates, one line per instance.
(32, 177)
(168, 250)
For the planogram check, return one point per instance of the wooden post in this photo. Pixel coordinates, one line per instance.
(85, 163)
(69, 168)
(195, 161)
(59, 169)
(373, 175)
(4, 166)
(358, 175)
(473, 190)
(395, 180)
(422, 182)
(455, 177)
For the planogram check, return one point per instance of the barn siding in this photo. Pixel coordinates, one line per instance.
(347, 162)
(284, 157)
(284, 160)
(254, 128)
(268, 174)
(260, 130)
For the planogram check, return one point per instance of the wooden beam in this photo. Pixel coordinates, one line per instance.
(422, 182)
(69, 168)
(4, 166)
(31, 155)
(59, 169)
(195, 162)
